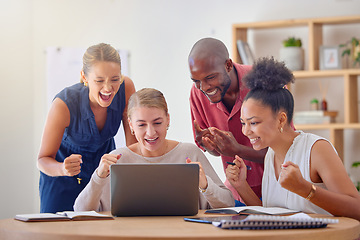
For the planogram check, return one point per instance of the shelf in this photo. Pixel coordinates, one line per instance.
(326, 73)
(336, 131)
(331, 126)
(315, 40)
(298, 22)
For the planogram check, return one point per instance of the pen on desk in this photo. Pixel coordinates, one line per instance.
(231, 163)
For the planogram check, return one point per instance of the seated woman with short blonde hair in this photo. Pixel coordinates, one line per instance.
(149, 121)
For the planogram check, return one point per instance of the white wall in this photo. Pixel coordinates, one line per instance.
(159, 35)
(17, 148)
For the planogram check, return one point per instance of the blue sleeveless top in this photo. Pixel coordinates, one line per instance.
(81, 137)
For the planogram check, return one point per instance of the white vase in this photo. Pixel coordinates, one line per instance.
(293, 57)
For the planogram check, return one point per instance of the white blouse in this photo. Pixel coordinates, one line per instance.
(273, 195)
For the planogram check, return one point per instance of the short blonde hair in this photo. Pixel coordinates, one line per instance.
(147, 97)
(101, 52)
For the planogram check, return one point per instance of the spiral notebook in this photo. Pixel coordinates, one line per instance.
(254, 222)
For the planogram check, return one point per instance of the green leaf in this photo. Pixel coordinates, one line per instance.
(345, 52)
(355, 164)
(358, 57)
(292, 42)
(355, 41)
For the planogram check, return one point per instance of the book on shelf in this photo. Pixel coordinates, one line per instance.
(254, 222)
(313, 120)
(62, 216)
(314, 117)
(316, 113)
(245, 53)
(252, 210)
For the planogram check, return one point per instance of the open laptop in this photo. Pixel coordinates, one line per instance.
(154, 189)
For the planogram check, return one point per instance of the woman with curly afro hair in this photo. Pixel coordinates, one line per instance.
(302, 170)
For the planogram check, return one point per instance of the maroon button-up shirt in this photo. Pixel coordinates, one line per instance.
(209, 114)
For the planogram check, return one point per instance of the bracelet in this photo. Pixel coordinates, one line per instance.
(202, 190)
(312, 192)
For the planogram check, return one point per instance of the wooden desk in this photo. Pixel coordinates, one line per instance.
(137, 228)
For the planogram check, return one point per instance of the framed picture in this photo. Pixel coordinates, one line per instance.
(245, 53)
(330, 57)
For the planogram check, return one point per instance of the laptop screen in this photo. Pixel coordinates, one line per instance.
(154, 189)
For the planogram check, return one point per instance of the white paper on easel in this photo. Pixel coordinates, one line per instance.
(63, 66)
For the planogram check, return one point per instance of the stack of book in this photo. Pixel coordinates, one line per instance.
(314, 117)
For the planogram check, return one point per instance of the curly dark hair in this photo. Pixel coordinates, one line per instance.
(267, 81)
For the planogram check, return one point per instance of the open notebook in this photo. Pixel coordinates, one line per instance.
(252, 210)
(62, 216)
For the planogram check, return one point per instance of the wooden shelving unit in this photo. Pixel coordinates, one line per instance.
(315, 40)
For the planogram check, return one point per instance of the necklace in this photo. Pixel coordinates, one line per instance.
(158, 158)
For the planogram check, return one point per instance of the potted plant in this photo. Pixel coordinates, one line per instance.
(351, 51)
(292, 42)
(355, 165)
(292, 53)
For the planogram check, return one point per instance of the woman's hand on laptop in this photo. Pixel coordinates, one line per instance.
(203, 184)
(104, 166)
